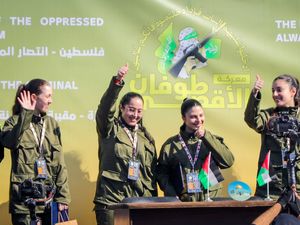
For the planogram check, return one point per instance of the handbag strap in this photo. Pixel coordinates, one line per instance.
(60, 214)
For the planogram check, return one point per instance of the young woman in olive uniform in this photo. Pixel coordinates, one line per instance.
(126, 151)
(34, 140)
(185, 153)
(285, 93)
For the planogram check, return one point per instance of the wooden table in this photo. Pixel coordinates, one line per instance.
(226, 212)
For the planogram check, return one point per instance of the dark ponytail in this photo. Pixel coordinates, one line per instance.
(16, 109)
(147, 134)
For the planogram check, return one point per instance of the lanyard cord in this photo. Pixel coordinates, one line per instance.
(42, 136)
(187, 151)
(132, 138)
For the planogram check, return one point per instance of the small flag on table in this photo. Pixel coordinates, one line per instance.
(210, 173)
(263, 176)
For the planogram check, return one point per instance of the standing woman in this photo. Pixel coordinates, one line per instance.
(36, 154)
(126, 151)
(185, 153)
(285, 93)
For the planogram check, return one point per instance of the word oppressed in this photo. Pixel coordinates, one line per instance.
(59, 21)
(72, 21)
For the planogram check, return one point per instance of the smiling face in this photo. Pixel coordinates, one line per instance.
(194, 118)
(283, 94)
(132, 112)
(43, 99)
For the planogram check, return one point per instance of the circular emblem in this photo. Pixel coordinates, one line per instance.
(239, 191)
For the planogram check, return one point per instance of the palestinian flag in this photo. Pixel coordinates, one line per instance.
(210, 173)
(263, 176)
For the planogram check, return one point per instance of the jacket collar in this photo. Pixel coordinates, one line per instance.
(187, 135)
(38, 118)
(289, 110)
(123, 123)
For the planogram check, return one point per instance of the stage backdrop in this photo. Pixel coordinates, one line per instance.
(79, 45)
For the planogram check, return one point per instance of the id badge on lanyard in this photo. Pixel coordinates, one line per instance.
(133, 165)
(41, 168)
(40, 163)
(193, 183)
(192, 179)
(133, 170)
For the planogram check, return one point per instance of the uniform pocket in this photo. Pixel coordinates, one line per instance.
(123, 152)
(20, 178)
(112, 186)
(55, 151)
(55, 158)
(27, 153)
(123, 146)
(56, 147)
(112, 175)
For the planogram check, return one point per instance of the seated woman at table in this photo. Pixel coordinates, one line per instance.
(182, 155)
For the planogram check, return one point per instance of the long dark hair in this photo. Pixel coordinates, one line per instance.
(125, 101)
(33, 86)
(293, 82)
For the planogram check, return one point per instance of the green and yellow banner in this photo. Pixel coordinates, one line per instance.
(79, 45)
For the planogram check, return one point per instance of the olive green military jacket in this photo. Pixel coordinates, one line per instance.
(172, 155)
(258, 119)
(17, 136)
(115, 152)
